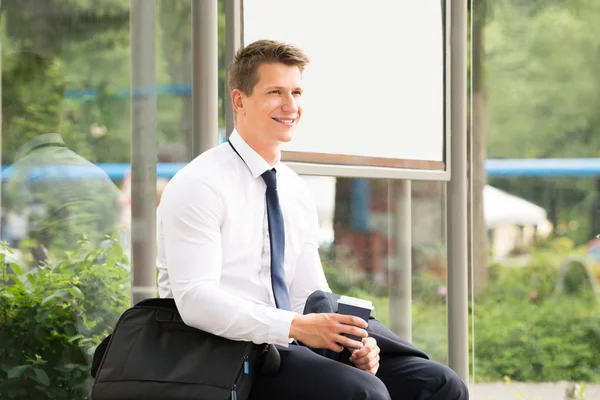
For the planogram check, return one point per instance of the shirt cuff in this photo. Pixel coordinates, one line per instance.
(279, 326)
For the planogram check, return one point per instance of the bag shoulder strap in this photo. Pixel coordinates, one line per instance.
(157, 302)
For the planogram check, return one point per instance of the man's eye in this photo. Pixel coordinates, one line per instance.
(275, 91)
(297, 92)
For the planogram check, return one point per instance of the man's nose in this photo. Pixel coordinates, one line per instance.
(290, 104)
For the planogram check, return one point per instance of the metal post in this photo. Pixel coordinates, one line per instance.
(205, 75)
(400, 270)
(1, 122)
(233, 42)
(458, 288)
(143, 148)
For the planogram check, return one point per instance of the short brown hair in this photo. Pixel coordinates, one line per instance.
(243, 70)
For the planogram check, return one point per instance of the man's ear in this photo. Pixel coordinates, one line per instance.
(237, 100)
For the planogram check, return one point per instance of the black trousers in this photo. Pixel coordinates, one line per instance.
(305, 375)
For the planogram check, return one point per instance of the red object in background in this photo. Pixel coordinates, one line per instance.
(351, 248)
(124, 200)
(365, 251)
(593, 243)
(593, 251)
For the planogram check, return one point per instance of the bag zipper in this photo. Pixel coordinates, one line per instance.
(243, 369)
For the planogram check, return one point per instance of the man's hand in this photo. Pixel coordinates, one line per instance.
(367, 358)
(324, 331)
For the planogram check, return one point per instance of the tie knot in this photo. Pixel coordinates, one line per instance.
(270, 178)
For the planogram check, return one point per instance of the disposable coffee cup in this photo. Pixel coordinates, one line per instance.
(357, 307)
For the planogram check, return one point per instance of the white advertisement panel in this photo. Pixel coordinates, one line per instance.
(374, 90)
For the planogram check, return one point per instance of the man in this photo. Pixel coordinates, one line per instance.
(60, 195)
(64, 195)
(238, 251)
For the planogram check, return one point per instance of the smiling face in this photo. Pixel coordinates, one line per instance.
(268, 116)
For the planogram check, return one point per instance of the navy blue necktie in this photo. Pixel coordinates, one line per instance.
(277, 241)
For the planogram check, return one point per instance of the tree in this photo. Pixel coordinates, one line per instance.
(543, 95)
(74, 34)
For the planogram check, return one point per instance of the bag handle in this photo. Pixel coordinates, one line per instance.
(99, 355)
(157, 302)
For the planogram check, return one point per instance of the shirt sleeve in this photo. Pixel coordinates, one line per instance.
(191, 213)
(309, 275)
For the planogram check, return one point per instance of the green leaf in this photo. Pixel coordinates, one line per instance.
(32, 278)
(76, 292)
(16, 268)
(41, 376)
(16, 279)
(47, 299)
(58, 293)
(76, 337)
(42, 316)
(16, 372)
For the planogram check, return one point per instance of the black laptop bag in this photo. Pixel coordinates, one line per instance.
(153, 355)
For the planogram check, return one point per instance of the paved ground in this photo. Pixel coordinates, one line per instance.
(527, 391)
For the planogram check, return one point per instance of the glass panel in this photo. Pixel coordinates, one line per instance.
(361, 249)
(536, 313)
(430, 324)
(66, 72)
(64, 273)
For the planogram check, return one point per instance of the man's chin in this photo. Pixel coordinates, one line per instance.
(283, 140)
(286, 136)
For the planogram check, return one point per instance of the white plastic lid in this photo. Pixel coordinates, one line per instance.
(353, 301)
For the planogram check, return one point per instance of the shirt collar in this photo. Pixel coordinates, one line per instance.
(253, 160)
(41, 140)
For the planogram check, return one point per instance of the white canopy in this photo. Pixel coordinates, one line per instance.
(501, 208)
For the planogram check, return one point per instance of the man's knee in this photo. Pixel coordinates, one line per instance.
(364, 386)
(422, 379)
(452, 386)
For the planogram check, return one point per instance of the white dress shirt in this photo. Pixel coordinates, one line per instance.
(214, 251)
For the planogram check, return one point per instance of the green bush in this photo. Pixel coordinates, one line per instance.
(553, 340)
(525, 330)
(537, 279)
(430, 329)
(52, 319)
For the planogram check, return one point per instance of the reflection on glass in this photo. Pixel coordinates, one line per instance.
(64, 275)
(359, 251)
(59, 197)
